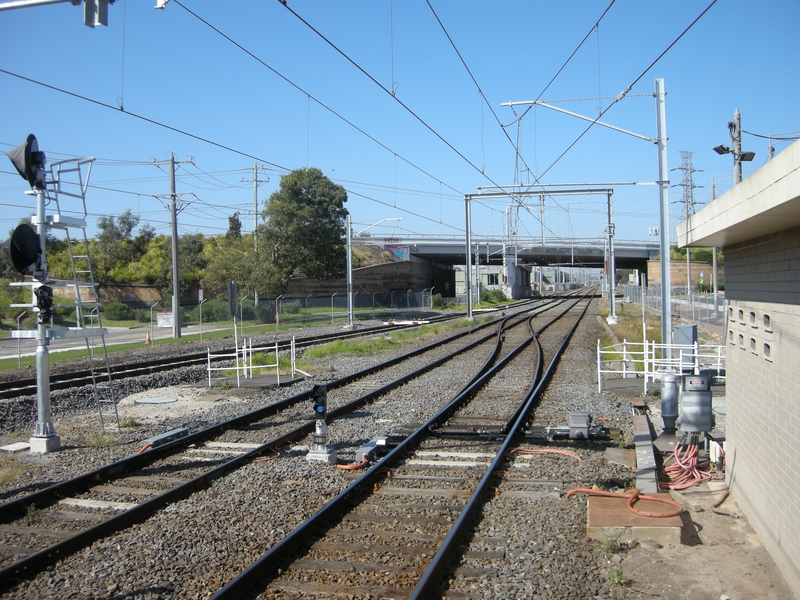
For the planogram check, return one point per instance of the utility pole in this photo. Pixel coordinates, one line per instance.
(173, 211)
(256, 168)
(176, 287)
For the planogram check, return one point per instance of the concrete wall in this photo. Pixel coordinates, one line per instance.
(395, 276)
(677, 270)
(763, 391)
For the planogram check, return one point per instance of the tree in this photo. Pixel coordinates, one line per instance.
(115, 245)
(234, 228)
(236, 261)
(305, 228)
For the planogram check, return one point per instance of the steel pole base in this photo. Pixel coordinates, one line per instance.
(43, 445)
(666, 441)
(612, 320)
(322, 455)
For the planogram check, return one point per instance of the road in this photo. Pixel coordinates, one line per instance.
(115, 335)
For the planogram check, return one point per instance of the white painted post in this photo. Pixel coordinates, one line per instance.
(599, 376)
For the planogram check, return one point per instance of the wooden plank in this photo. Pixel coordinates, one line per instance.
(349, 591)
(474, 572)
(408, 535)
(54, 533)
(16, 550)
(426, 478)
(399, 491)
(447, 454)
(83, 503)
(547, 482)
(363, 518)
(118, 489)
(416, 506)
(373, 548)
(530, 494)
(451, 464)
(157, 480)
(240, 445)
(341, 565)
(68, 515)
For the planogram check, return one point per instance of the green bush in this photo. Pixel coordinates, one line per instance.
(492, 296)
(436, 301)
(265, 312)
(247, 310)
(213, 310)
(291, 308)
(117, 311)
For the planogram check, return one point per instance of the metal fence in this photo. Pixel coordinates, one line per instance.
(700, 309)
(317, 310)
(649, 361)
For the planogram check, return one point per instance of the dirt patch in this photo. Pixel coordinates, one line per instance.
(720, 557)
(154, 406)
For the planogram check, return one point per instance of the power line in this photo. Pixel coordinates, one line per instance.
(390, 94)
(312, 97)
(477, 85)
(142, 118)
(628, 89)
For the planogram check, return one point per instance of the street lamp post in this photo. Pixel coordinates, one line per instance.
(735, 128)
(334, 294)
(307, 297)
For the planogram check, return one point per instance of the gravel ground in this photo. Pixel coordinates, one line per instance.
(191, 548)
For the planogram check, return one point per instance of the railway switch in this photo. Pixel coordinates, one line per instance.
(579, 425)
(319, 446)
(579, 428)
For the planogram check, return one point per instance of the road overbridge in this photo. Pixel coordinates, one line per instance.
(577, 252)
(518, 256)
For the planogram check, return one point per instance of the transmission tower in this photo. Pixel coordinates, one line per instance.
(687, 184)
(688, 205)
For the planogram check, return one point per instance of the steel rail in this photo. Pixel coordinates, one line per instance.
(23, 387)
(35, 562)
(268, 565)
(436, 570)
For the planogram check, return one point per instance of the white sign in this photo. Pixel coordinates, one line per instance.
(165, 320)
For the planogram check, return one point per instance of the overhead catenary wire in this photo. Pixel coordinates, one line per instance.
(389, 92)
(624, 93)
(315, 99)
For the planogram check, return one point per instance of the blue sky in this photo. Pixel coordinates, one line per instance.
(285, 98)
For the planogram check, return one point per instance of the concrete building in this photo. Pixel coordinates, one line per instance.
(757, 223)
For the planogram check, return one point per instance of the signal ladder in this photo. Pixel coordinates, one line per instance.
(66, 182)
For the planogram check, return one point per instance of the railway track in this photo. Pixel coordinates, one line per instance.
(395, 530)
(27, 386)
(45, 526)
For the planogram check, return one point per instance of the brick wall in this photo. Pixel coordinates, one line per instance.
(763, 391)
